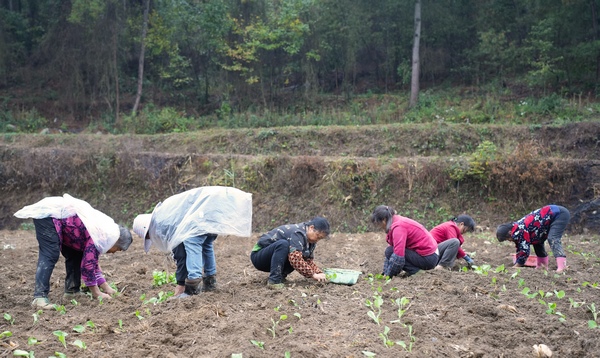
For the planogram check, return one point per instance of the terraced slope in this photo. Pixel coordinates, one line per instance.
(429, 172)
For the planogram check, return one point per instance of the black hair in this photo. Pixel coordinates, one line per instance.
(381, 213)
(321, 224)
(125, 238)
(466, 220)
(503, 231)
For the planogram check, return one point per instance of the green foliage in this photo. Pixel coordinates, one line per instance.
(162, 278)
(477, 165)
(152, 121)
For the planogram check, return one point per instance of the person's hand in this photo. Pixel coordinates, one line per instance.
(96, 293)
(321, 277)
(469, 260)
(104, 296)
(107, 289)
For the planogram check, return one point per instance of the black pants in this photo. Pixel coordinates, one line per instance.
(49, 251)
(273, 259)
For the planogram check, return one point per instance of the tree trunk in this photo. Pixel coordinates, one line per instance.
(414, 82)
(116, 67)
(138, 97)
(595, 30)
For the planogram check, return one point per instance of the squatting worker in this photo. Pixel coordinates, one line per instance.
(449, 236)
(546, 223)
(290, 247)
(81, 233)
(187, 224)
(410, 246)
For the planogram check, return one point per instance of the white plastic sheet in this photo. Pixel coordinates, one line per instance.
(205, 210)
(102, 228)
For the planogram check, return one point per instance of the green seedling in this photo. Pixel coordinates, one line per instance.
(80, 344)
(91, 325)
(162, 297)
(575, 304)
(162, 278)
(331, 276)
(526, 291)
(386, 340)
(259, 344)
(32, 341)
(593, 323)
(5, 334)
(74, 302)
(482, 270)
(36, 316)
(9, 319)
(121, 324)
(287, 355)
(515, 274)
(60, 355)
(22, 353)
(60, 309)
(297, 315)
(559, 294)
(274, 324)
(412, 340)
(521, 282)
(375, 308)
(138, 315)
(236, 355)
(368, 354)
(403, 305)
(500, 269)
(552, 310)
(61, 337)
(79, 328)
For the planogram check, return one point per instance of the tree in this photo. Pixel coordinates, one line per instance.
(138, 96)
(414, 83)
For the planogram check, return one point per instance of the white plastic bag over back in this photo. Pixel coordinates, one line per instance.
(101, 227)
(206, 210)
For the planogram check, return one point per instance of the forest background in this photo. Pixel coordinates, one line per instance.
(303, 99)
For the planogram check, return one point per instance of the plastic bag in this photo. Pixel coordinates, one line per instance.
(102, 228)
(206, 210)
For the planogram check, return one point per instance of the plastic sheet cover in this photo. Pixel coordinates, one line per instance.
(205, 210)
(101, 227)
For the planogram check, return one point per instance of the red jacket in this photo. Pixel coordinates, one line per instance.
(446, 231)
(406, 233)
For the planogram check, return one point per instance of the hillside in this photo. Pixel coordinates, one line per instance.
(428, 171)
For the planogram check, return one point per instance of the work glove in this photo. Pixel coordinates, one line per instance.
(393, 266)
(469, 260)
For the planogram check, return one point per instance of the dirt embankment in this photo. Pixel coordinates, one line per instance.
(429, 172)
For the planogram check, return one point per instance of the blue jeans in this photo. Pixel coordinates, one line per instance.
(273, 259)
(195, 257)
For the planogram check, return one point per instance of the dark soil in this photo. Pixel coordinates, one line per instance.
(478, 313)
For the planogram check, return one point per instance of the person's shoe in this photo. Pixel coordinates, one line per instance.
(275, 286)
(42, 303)
(192, 286)
(209, 283)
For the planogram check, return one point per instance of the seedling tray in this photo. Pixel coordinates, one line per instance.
(531, 260)
(342, 276)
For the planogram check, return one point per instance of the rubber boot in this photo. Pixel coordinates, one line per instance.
(561, 264)
(210, 283)
(192, 287)
(542, 263)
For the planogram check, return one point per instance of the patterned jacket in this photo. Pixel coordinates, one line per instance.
(301, 252)
(532, 229)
